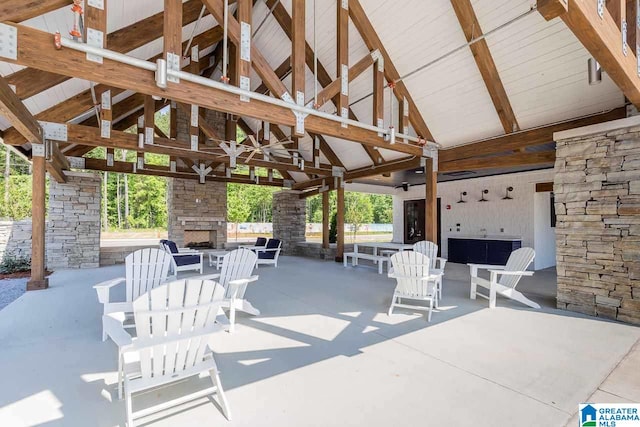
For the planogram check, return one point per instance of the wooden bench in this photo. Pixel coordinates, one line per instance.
(380, 260)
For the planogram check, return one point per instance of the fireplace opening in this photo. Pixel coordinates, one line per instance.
(200, 239)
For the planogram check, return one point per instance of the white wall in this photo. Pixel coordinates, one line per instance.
(499, 217)
(544, 236)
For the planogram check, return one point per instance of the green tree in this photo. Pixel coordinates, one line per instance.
(358, 210)
(382, 208)
(333, 228)
(238, 209)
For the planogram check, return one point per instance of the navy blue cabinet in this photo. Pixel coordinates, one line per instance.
(481, 251)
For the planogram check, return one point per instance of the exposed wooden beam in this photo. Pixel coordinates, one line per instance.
(260, 64)
(340, 223)
(487, 67)
(431, 200)
(38, 212)
(283, 70)
(373, 42)
(37, 52)
(172, 28)
(20, 10)
(243, 56)
(29, 81)
(602, 38)
(89, 136)
(18, 115)
(509, 160)
(551, 9)
(333, 88)
(328, 151)
(298, 78)
(325, 219)
(184, 173)
(523, 139)
(544, 187)
(83, 102)
(282, 16)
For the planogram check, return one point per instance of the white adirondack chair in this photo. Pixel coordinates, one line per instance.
(144, 270)
(509, 274)
(235, 274)
(437, 263)
(414, 281)
(175, 328)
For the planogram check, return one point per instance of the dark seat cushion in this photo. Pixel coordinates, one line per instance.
(261, 241)
(187, 260)
(271, 244)
(172, 246)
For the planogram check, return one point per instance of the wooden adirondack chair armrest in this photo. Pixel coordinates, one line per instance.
(423, 278)
(473, 268)
(390, 273)
(441, 262)
(113, 326)
(102, 288)
(207, 276)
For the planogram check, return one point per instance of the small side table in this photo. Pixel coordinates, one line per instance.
(215, 258)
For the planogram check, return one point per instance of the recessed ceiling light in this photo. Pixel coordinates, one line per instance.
(419, 171)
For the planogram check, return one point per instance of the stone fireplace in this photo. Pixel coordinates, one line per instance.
(197, 213)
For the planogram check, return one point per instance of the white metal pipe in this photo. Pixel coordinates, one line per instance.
(225, 41)
(315, 56)
(193, 31)
(203, 81)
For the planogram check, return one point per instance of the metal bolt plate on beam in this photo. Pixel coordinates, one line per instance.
(172, 166)
(95, 38)
(245, 41)
(38, 150)
(245, 84)
(105, 129)
(110, 159)
(98, 4)
(337, 172)
(345, 115)
(195, 111)
(344, 82)
(173, 64)
(148, 135)
(54, 131)
(8, 42)
(624, 38)
(105, 99)
(601, 8)
(194, 142)
(76, 162)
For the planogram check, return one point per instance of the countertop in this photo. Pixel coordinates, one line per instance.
(488, 237)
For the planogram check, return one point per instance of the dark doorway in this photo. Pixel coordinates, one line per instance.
(414, 221)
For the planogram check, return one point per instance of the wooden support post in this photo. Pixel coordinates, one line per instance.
(632, 24)
(149, 119)
(140, 153)
(110, 156)
(342, 63)
(38, 281)
(95, 22)
(431, 225)
(298, 58)
(340, 223)
(244, 58)
(325, 219)
(316, 151)
(172, 29)
(403, 117)
(194, 110)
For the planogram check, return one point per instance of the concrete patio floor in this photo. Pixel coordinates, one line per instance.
(324, 352)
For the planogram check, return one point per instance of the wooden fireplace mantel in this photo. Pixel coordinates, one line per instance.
(185, 219)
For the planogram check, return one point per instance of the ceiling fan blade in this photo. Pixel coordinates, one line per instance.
(253, 141)
(253, 153)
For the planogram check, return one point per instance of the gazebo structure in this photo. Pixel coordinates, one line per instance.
(327, 92)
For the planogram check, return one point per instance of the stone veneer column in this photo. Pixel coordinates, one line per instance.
(597, 195)
(289, 219)
(73, 222)
(204, 204)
